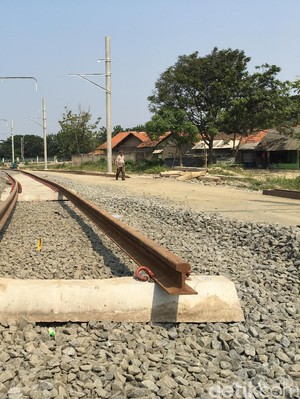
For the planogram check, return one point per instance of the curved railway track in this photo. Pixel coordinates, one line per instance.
(7, 207)
(164, 267)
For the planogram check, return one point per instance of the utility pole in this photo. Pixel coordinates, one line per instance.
(12, 141)
(107, 89)
(22, 148)
(108, 102)
(44, 132)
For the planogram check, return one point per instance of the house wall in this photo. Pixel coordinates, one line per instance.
(131, 143)
(78, 160)
(272, 159)
(284, 159)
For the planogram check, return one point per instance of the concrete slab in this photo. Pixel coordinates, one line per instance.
(32, 190)
(118, 299)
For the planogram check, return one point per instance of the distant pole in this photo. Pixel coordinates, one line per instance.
(44, 132)
(12, 141)
(108, 103)
(22, 148)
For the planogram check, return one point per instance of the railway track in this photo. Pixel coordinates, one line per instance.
(83, 296)
(165, 268)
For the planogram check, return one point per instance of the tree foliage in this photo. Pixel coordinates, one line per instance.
(33, 147)
(52, 145)
(183, 131)
(291, 121)
(77, 134)
(137, 128)
(262, 103)
(218, 94)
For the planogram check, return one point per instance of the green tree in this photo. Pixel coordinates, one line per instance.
(263, 102)
(102, 135)
(77, 134)
(291, 123)
(184, 133)
(219, 95)
(137, 128)
(52, 145)
(33, 146)
(5, 149)
(202, 87)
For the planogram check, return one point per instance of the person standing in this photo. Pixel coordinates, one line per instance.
(120, 163)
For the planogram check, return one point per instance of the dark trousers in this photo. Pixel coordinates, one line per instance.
(122, 171)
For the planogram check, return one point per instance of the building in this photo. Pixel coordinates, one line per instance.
(269, 149)
(126, 142)
(224, 148)
(138, 145)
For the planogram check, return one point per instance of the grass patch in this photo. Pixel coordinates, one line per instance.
(271, 183)
(145, 166)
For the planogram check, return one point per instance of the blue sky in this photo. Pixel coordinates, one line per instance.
(50, 39)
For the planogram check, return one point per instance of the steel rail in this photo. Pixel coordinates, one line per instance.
(283, 193)
(7, 206)
(168, 270)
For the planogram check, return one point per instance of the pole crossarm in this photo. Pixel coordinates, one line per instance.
(5, 120)
(82, 76)
(32, 120)
(21, 77)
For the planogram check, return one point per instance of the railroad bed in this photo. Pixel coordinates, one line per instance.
(145, 360)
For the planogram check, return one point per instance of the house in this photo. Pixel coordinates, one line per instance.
(270, 149)
(161, 148)
(126, 142)
(246, 151)
(224, 148)
(138, 145)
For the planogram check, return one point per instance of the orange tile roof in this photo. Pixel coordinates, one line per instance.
(118, 138)
(141, 135)
(255, 137)
(153, 143)
(97, 152)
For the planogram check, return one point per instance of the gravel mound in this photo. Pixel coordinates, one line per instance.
(256, 359)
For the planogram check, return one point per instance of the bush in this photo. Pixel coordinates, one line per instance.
(145, 166)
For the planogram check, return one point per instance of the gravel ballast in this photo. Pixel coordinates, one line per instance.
(259, 358)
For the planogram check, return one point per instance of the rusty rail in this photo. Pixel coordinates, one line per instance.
(283, 193)
(169, 270)
(7, 206)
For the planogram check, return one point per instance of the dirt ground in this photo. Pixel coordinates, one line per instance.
(230, 202)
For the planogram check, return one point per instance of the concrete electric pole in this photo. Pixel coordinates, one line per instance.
(108, 102)
(44, 133)
(108, 97)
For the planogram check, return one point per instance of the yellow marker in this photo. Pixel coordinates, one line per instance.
(39, 245)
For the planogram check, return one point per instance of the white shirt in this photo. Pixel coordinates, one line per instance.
(120, 161)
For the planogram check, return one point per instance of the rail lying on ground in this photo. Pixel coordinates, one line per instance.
(283, 193)
(168, 270)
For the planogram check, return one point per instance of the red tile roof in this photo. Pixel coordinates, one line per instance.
(255, 137)
(154, 143)
(97, 152)
(118, 138)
